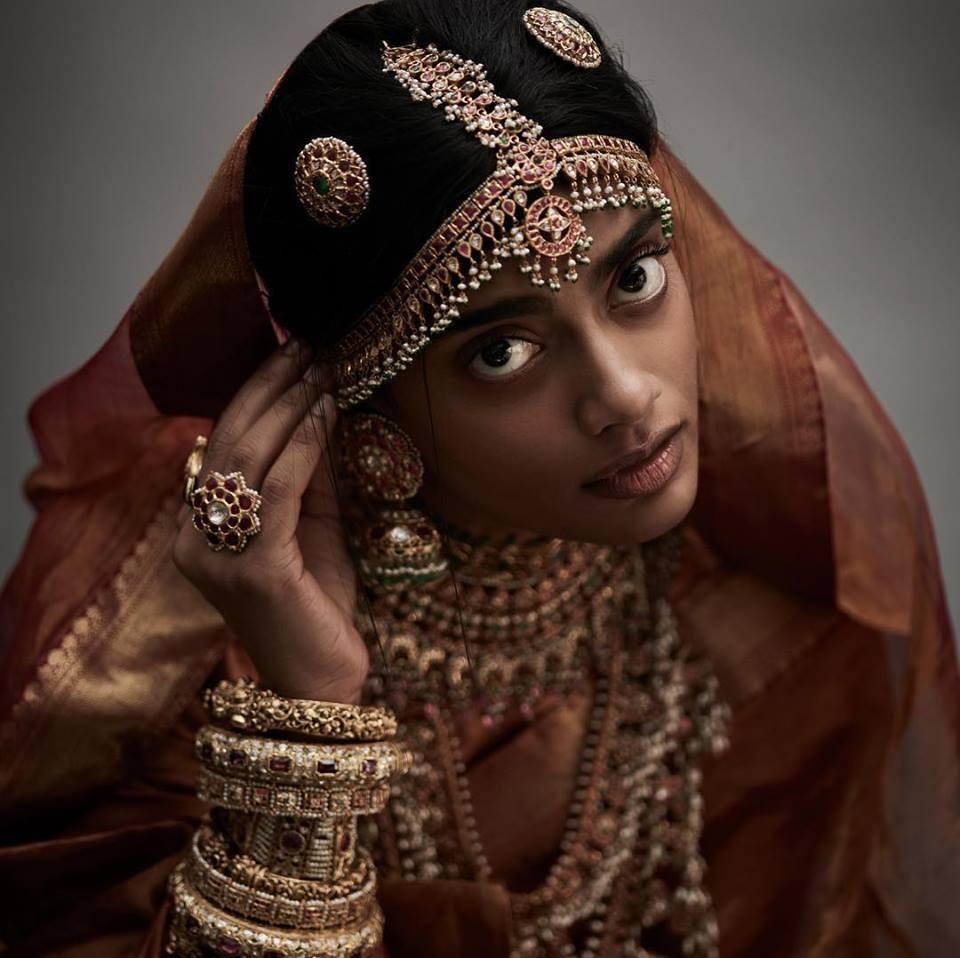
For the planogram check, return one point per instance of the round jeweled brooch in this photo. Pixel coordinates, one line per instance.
(559, 32)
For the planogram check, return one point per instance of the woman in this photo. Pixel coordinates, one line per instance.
(593, 504)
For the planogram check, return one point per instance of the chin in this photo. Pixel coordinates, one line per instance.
(621, 522)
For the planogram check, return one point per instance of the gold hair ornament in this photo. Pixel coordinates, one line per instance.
(331, 181)
(514, 213)
(562, 35)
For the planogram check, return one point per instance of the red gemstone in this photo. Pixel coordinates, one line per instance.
(231, 484)
(232, 521)
(326, 765)
(280, 763)
(218, 493)
(246, 522)
(237, 757)
(344, 841)
(213, 538)
(198, 499)
(235, 509)
(229, 946)
(231, 539)
(228, 497)
(245, 502)
(368, 766)
(192, 925)
(291, 841)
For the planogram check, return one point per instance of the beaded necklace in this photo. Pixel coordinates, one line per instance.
(541, 617)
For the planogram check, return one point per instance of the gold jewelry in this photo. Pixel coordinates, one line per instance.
(198, 928)
(320, 802)
(629, 871)
(312, 908)
(192, 467)
(225, 510)
(243, 705)
(397, 545)
(222, 851)
(513, 213)
(332, 181)
(525, 611)
(563, 35)
(312, 849)
(297, 763)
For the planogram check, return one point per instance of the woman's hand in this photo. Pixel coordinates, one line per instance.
(289, 596)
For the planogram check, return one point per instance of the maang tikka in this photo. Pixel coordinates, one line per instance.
(398, 544)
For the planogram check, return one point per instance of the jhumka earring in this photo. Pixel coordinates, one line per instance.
(398, 543)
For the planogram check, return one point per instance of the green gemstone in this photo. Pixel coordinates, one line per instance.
(321, 184)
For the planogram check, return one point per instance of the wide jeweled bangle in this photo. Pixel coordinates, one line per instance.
(242, 704)
(235, 883)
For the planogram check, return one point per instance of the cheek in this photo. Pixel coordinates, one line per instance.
(486, 451)
(685, 347)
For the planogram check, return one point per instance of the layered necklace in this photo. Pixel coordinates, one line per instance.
(516, 621)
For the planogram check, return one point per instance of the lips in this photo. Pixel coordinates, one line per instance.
(638, 455)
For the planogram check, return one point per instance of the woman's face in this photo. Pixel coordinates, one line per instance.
(533, 393)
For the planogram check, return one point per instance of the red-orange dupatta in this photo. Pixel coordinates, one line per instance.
(811, 578)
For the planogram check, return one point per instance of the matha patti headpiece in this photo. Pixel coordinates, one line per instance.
(513, 213)
(561, 34)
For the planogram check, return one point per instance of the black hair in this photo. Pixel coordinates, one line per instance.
(319, 280)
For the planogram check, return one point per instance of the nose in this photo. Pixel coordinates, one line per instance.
(616, 389)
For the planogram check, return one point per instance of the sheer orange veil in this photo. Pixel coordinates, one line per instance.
(809, 506)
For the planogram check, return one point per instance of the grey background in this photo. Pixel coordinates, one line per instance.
(828, 131)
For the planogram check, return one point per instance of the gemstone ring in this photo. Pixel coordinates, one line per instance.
(225, 511)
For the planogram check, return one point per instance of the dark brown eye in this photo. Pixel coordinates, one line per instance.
(496, 353)
(502, 356)
(644, 277)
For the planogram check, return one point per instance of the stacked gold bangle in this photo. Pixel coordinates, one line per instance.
(242, 705)
(275, 869)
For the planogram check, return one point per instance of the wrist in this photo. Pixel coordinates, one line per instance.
(343, 691)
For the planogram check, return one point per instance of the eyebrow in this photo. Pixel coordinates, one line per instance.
(540, 302)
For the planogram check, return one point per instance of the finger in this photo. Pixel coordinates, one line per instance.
(256, 450)
(320, 503)
(285, 365)
(287, 479)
